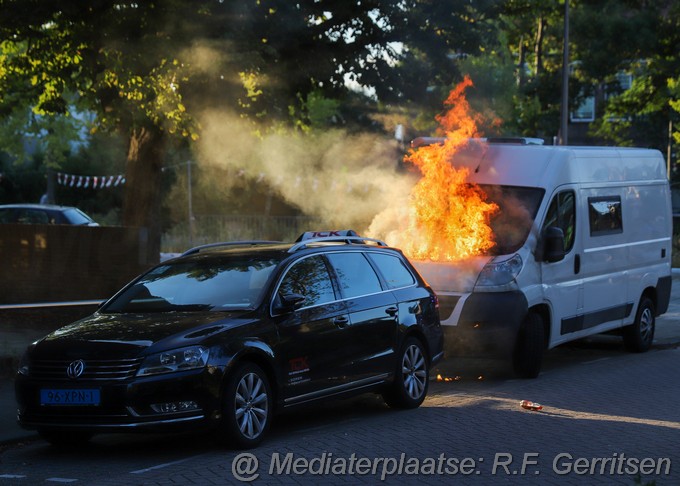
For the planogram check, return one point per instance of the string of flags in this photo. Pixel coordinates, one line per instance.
(94, 182)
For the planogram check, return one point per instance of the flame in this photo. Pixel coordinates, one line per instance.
(447, 379)
(448, 218)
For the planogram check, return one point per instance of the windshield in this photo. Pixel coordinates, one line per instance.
(208, 285)
(517, 208)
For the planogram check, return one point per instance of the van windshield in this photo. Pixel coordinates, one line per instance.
(517, 208)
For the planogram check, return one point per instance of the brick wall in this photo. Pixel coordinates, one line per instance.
(56, 263)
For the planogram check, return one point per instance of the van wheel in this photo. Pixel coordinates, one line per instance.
(411, 378)
(638, 336)
(528, 353)
(246, 407)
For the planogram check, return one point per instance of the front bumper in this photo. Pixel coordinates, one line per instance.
(124, 406)
(482, 324)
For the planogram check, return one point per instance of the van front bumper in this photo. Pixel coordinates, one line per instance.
(483, 324)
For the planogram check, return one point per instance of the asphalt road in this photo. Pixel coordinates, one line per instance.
(607, 415)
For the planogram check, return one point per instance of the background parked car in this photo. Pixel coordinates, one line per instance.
(44, 214)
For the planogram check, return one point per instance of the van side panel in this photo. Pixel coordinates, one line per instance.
(648, 215)
(604, 262)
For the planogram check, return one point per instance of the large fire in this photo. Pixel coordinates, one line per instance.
(448, 218)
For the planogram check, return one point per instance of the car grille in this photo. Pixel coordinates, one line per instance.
(94, 370)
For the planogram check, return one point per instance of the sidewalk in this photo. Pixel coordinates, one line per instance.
(14, 341)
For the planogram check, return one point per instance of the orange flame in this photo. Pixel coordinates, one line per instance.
(449, 218)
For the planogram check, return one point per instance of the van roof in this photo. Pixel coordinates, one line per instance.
(548, 166)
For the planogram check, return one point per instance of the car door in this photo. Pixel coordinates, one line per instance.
(373, 313)
(313, 340)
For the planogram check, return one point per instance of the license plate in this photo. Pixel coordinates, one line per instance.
(74, 397)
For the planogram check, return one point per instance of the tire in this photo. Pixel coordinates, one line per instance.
(65, 439)
(246, 407)
(411, 378)
(639, 336)
(528, 353)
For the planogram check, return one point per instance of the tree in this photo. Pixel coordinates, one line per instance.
(116, 59)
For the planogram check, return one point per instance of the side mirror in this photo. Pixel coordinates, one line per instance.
(290, 302)
(553, 245)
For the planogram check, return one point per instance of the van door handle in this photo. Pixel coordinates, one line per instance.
(577, 264)
(341, 321)
(391, 311)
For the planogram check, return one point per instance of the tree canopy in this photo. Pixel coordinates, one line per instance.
(146, 70)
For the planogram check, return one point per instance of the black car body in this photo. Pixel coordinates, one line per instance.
(225, 335)
(44, 214)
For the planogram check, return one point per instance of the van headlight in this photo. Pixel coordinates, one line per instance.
(498, 273)
(181, 359)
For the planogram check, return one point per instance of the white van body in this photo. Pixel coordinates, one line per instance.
(612, 211)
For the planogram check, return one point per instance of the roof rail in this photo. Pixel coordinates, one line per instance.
(341, 239)
(516, 140)
(198, 249)
(422, 141)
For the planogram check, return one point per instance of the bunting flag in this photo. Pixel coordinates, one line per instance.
(86, 182)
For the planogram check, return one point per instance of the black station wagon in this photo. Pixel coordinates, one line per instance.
(227, 334)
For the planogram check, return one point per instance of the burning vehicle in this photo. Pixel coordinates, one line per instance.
(569, 242)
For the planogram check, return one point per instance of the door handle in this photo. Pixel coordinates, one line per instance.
(577, 264)
(341, 321)
(392, 311)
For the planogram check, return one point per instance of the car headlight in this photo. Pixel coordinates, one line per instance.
(181, 359)
(24, 365)
(497, 273)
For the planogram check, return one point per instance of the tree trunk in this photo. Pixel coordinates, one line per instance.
(521, 66)
(142, 200)
(538, 46)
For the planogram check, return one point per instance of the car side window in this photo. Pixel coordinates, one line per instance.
(562, 214)
(33, 216)
(309, 277)
(393, 270)
(355, 274)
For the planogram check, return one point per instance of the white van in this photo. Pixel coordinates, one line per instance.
(583, 246)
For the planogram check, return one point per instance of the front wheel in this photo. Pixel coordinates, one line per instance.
(411, 377)
(638, 336)
(247, 407)
(528, 353)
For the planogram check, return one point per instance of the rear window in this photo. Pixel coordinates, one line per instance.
(393, 270)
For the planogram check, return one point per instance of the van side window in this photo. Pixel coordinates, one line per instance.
(562, 214)
(605, 216)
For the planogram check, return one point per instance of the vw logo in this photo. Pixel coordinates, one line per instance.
(75, 369)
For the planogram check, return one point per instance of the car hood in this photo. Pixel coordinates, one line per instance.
(126, 335)
(458, 276)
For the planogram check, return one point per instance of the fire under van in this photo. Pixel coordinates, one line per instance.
(582, 246)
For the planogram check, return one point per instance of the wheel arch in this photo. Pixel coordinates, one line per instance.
(417, 333)
(543, 311)
(261, 355)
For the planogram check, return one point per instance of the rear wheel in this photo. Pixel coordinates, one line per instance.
(528, 353)
(411, 377)
(638, 337)
(247, 406)
(65, 439)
